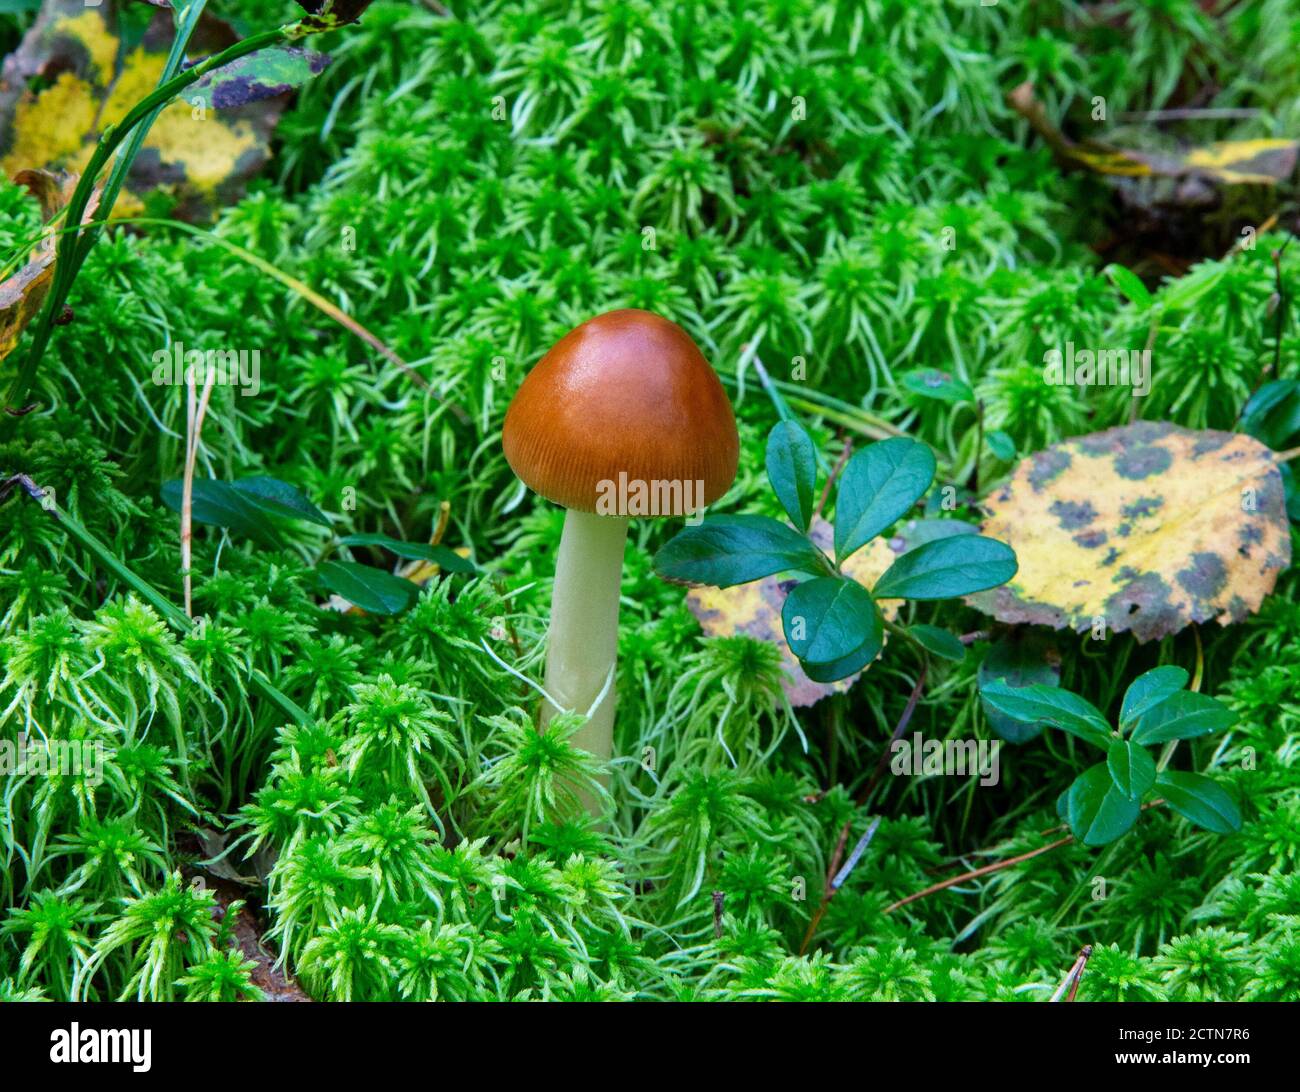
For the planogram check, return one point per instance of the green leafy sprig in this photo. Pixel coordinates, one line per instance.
(831, 622)
(1104, 801)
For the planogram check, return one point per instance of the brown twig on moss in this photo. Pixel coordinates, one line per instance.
(974, 874)
(834, 880)
(1071, 980)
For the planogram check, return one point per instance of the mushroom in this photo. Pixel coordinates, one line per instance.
(623, 417)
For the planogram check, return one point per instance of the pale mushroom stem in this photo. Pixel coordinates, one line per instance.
(582, 644)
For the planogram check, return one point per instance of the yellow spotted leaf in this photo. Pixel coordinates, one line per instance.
(754, 610)
(1148, 527)
(73, 75)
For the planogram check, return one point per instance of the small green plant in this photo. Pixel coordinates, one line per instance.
(1104, 801)
(831, 622)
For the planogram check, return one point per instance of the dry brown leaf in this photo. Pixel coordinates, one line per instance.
(23, 293)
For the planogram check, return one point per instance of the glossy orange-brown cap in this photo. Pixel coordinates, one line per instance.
(626, 393)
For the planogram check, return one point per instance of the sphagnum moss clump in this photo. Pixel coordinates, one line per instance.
(824, 200)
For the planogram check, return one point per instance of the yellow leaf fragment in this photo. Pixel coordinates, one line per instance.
(1260, 162)
(1235, 162)
(71, 78)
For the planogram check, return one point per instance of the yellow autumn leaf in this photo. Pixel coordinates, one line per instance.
(754, 609)
(1147, 527)
(71, 77)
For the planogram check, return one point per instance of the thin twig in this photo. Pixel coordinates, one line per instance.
(835, 473)
(996, 866)
(1280, 309)
(841, 877)
(834, 879)
(1279, 301)
(1071, 979)
(1263, 229)
(1204, 113)
(194, 430)
(1083, 966)
(903, 722)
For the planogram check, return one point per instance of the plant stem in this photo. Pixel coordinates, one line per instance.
(186, 18)
(830, 888)
(582, 644)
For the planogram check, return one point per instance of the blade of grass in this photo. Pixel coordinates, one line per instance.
(308, 293)
(305, 291)
(169, 611)
(186, 20)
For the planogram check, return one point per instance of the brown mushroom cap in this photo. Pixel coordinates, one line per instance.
(627, 392)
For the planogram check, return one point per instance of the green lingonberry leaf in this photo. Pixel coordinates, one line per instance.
(932, 383)
(880, 483)
(443, 556)
(851, 664)
(1096, 810)
(1182, 715)
(220, 504)
(727, 550)
(373, 590)
(1020, 657)
(1149, 690)
(1002, 445)
(279, 498)
(1199, 800)
(792, 470)
(947, 568)
(829, 618)
(1053, 706)
(1132, 769)
(1272, 415)
(939, 641)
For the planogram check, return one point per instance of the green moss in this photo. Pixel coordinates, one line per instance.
(850, 196)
